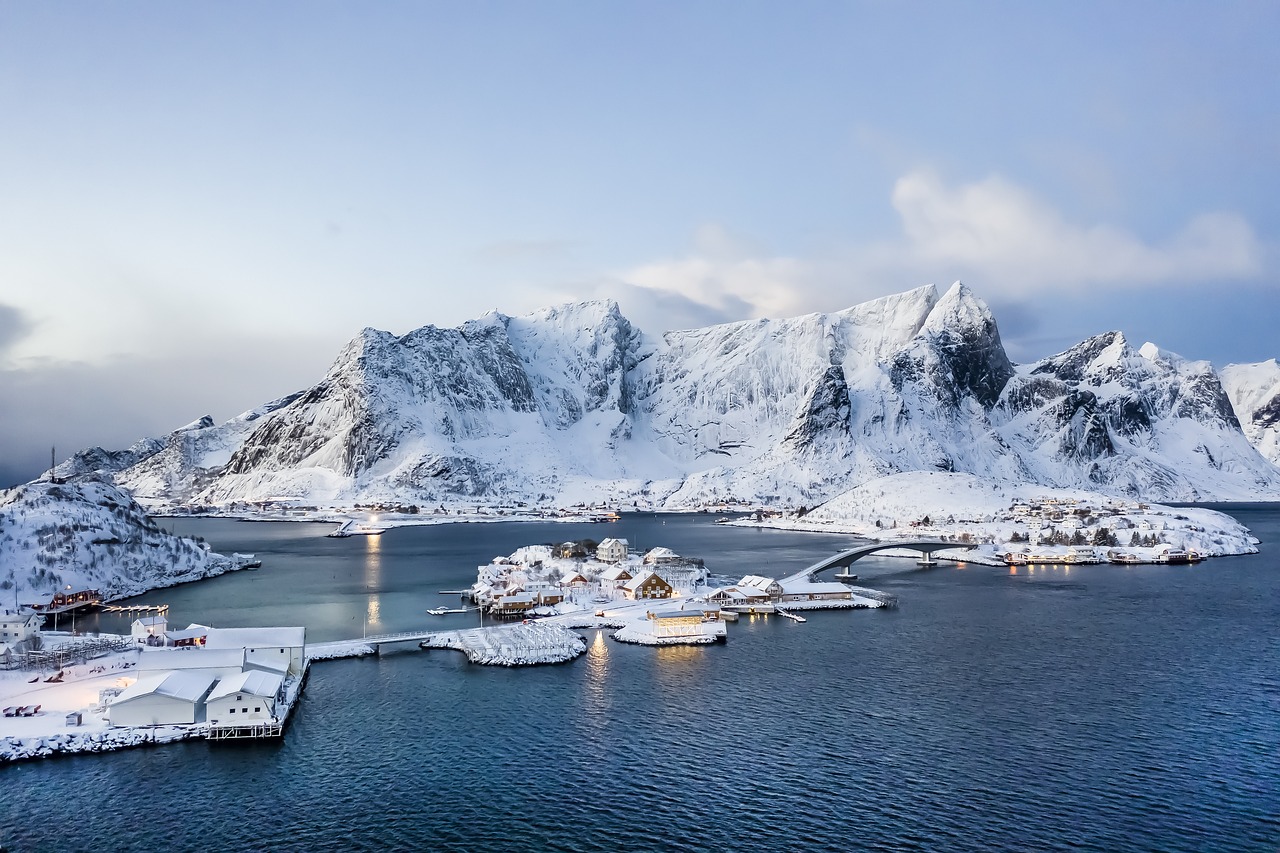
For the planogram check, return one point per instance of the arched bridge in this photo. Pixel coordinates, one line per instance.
(845, 558)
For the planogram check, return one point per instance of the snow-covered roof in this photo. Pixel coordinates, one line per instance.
(149, 621)
(733, 593)
(797, 586)
(186, 634)
(675, 614)
(572, 577)
(639, 579)
(153, 660)
(247, 638)
(518, 598)
(617, 573)
(187, 686)
(757, 581)
(610, 541)
(254, 682)
(660, 553)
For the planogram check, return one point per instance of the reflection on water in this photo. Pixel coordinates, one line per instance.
(595, 700)
(373, 581)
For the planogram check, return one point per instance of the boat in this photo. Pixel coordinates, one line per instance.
(1178, 557)
(441, 611)
(247, 561)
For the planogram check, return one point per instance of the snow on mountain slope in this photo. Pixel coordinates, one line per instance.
(1145, 422)
(1254, 390)
(573, 403)
(89, 535)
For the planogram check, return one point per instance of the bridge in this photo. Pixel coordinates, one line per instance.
(844, 559)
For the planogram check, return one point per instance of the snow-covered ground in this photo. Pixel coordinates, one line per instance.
(1000, 518)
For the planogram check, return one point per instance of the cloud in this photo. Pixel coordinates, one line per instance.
(1003, 233)
(1002, 239)
(14, 326)
(74, 405)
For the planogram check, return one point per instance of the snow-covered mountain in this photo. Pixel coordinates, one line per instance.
(574, 403)
(1254, 390)
(90, 535)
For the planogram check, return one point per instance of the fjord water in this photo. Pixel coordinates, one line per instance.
(1096, 708)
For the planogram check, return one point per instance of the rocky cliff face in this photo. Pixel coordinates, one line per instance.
(573, 403)
(1254, 392)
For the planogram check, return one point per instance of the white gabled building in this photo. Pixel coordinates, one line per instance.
(247, 699)
(268, 647)
(162, 699)
(149, 628)
(617, 577)
(17, 629)
(612, 550)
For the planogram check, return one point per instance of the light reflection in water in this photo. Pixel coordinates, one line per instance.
(373, 579)
(596, 697)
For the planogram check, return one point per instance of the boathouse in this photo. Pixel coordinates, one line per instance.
(246, 699)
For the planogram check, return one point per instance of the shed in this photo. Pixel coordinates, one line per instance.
(162, 699)
(244, 699)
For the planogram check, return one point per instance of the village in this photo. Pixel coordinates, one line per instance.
(63, 692)
(655, 598)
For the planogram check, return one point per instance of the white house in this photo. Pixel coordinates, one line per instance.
(612, 550)
(162, 699)
(147, 627)
(17, 628)
(617, 577)
(244, 700)
(263, 645)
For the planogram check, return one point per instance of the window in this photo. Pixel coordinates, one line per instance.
(257, 709)
(233, 710)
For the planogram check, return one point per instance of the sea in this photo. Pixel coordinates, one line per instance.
(1083, 708)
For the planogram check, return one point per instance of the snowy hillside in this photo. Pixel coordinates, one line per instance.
(574, 404)
(89, 535)
(1254, 390)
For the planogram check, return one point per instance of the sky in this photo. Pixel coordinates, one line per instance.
(200, 203)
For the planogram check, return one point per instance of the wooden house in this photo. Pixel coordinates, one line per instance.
(647, 585)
